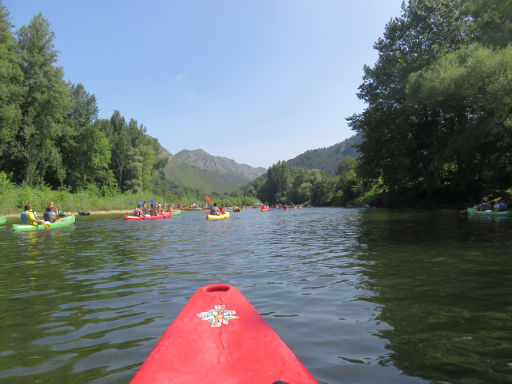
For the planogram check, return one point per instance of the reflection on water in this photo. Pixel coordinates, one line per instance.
(444, 284)
(360, 296)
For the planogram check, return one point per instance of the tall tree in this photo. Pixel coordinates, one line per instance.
(43, 108)
(11, 91)
(392, 131)
(84, 145)
(120, 144)
(276, 184)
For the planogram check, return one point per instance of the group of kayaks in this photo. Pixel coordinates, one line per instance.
(164, 215)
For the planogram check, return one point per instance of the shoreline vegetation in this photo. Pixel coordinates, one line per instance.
(14, 198)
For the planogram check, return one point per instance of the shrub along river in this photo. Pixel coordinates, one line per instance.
(360, 296)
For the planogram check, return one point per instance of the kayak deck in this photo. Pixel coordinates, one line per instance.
(219, 336)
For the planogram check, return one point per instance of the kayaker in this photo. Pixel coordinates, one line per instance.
(214, 210)
(50, 216)
(221, 210)
(500, 206)
(138, 211)
(145, 208)
(32, 217)
(54, 208)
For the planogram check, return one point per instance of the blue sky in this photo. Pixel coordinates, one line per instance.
(254, 81)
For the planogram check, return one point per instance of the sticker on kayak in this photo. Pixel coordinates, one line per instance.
(218, 316)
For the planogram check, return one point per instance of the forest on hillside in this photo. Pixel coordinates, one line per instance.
(437, 130)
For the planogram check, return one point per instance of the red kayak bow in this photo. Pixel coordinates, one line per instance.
(219, 336)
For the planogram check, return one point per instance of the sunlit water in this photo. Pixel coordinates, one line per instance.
(360, 296)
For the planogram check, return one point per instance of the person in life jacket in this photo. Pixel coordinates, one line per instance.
(31, 216)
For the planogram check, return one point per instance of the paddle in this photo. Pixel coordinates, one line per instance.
(463, 211)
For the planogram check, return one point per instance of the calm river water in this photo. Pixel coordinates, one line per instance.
(360, 296)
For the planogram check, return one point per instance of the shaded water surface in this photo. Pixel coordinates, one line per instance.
(360, 296)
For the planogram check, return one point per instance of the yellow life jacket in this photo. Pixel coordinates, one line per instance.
(31, 217)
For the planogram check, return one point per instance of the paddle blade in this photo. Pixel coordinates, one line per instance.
(47, 226)
(207, 198)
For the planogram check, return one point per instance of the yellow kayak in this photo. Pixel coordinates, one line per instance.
(217, 217)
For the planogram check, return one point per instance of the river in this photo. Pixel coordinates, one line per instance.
(360, 296)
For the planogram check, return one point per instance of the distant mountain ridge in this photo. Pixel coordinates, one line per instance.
(327, 159)
(199, 169)
(204, 161)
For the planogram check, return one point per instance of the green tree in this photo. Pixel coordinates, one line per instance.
(276, 184)
(85, 149)
(44, 106)
(11, 92)
(393, 132)
(120, 147)
(468, 97)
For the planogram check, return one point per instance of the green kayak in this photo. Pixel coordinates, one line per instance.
(66, 222)
(3, 220)
(474, 211)
(176, 213)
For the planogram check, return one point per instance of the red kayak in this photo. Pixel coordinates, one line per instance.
(165, 215)
(218, 336)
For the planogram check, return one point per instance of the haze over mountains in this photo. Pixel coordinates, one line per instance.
(199, 169)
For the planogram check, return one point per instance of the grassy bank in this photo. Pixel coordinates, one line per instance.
(14, 199)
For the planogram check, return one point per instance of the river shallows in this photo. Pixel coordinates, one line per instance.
(360, 296)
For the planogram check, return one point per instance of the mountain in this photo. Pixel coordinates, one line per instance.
(327, 159)
(199, 169)
(204, 161)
